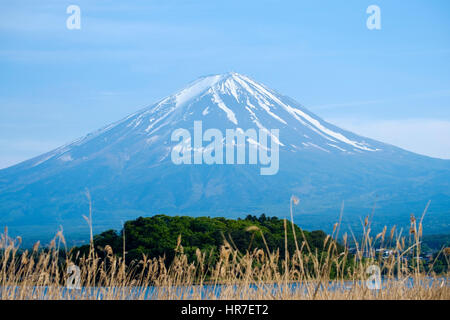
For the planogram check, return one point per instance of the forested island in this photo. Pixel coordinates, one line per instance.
(161, 235)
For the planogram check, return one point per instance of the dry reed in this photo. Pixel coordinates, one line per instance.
(258, 274)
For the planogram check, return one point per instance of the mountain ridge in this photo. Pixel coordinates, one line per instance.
(127, 167)
(145, 110)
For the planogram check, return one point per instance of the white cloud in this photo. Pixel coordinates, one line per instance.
(429, 137)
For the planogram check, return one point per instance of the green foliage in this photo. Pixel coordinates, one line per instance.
(157, 236)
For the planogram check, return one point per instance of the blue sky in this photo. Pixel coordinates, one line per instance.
(57, 84)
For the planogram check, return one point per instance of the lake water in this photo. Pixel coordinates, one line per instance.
(207, 291)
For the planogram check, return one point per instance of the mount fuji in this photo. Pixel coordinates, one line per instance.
(128, 170)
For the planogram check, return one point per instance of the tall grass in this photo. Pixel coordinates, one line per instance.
(41, 273)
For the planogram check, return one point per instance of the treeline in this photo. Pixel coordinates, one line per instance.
(435, 242)
(162, 236)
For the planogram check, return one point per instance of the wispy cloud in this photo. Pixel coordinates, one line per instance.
(422, 95)
(429, 137)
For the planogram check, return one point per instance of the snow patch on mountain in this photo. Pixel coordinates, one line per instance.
(244, 102)
(230, 114)
(195, 89)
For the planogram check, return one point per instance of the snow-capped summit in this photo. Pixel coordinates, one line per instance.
(238, 101)
(128, 168)
(229, 100)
